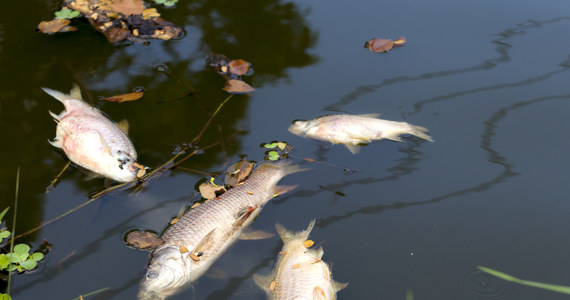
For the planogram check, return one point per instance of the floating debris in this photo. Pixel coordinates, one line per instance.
(143, 240)
(231, 71)
(384, 45)
(238, 172)
(124, 97)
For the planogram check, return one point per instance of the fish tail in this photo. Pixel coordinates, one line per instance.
(287, 235)
(75, 93)
(420, 132)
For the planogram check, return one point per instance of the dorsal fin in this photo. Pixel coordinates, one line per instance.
(104, 143)
(75, 92)
(369, 115)
(339, 285)
(287, 235)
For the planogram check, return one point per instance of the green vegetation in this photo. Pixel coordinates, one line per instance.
(167, 3)
(66, 13)
(551, 287)
(280, 150)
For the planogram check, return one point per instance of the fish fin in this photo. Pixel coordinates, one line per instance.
(318, 253)
(56, 117)
(369, 115)
(244, 214)
(75, 92)
(285, 166)
(56, 94)
(339, 285)
(354, 149)
(263, 282)
(204, 242)
(55, 143)
(124, 125)
(287, 235)
(319, 294)
(282, 189)
(92, 175)
(420, 132)
(249, 234)
(394, 137)
(104, 143)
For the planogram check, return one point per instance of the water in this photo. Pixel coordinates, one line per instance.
(489, 79)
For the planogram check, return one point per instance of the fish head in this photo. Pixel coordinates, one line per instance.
(127, 169)
(300, 127)
(166, 274)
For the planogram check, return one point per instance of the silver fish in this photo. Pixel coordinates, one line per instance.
(300, 273)
(91, 140)
(353, 131)
(205, 232)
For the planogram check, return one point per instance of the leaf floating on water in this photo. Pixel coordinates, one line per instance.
(238, 172)
(125, 97)
(53, 26)
(235, 86)
(238, 66)
(308, 243)
(150, 13)
(116, 34)
(281, 145)
(209, 191)
(143, 240)
(128, 7)
(384, 45)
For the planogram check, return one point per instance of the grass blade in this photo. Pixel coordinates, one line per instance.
(14, 225)
(546, 286)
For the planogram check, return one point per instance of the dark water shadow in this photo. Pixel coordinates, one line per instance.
(502, 48)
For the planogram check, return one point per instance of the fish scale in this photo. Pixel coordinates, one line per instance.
(208, 230)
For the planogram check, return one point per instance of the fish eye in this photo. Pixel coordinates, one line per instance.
(121, 166)
(152, 274)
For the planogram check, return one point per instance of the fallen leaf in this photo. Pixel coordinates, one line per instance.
(379, 45)
(272, 285)
(235, 86)
(308, 243)
(150, 13)
(116, 34)
(281, 145)
(128, 7)
(195, 204)
(53, 26)
(174, 221)
(209, 191)
(143, 240)
(238, 66)
(125, 97)
(297, 266)
(238, 172)
(183, 249)
(194, 257)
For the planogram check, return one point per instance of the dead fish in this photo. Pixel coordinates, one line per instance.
(353, 131)
(300, 273)
(205, 232)
(92, 141)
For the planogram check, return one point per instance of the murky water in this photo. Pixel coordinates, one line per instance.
(489, 79)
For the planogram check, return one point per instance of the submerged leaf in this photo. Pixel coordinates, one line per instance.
(53, 26)
(143, 240)
(379, 45)
(238, 66)
(235, 86)
(124, 97)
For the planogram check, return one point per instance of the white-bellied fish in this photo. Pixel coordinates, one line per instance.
(92, 141)
(205, 232)
(353, 131)
(299, 273)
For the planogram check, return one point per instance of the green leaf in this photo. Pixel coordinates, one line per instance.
(5, 297)
(13, 257)
(24, 257)
(12, 268)
(546, 286)
(3, 213)
(66, 14)
(4, 261)
(159, 1)
(29, 264)
(170, 3)
(21, 249)
(273, 154)
(4, 234)
(37, 256)
(270, 146)
(273, 158)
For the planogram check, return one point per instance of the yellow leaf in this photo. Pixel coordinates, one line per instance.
(150, 13)
(194, 257)
(308, 243)
(174, 221)
(128, 7)
(53, 26)
(183, 249)
(281, 145)
(125, 97)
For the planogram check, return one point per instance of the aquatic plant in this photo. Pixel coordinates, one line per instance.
(546, 286)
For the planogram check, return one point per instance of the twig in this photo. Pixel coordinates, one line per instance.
(14, 224)
(51, 186)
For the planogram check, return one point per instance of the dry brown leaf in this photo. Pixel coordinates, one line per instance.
(234, 86)
(238, 66)
(194, 257)
(272, 285)
(238, 172)
(308, 243)
(209, 191)
(53, 26)
(400, 41)
(379, 45)
(116, 34)
(125, 97)
(144, 240)
(128, 7)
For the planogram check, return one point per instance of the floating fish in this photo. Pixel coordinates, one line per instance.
(205, 232)
(300, 273)
(353, 131)
(92, 141)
